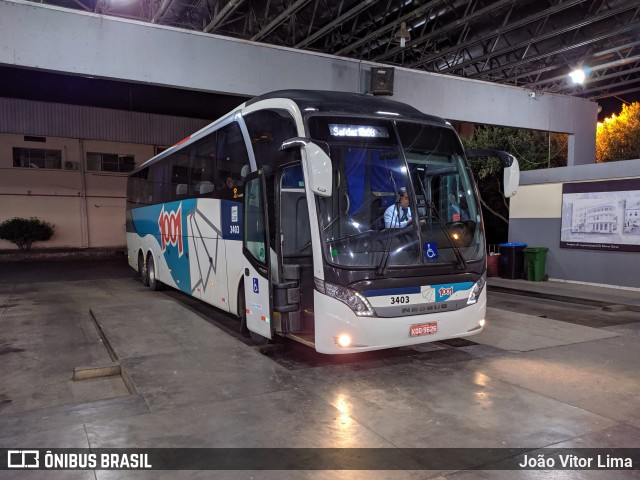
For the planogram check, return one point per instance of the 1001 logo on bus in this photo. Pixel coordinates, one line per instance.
(170, 224)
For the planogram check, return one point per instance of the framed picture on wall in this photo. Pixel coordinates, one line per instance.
(602, 215)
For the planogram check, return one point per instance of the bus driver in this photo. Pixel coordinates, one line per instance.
(398, 215)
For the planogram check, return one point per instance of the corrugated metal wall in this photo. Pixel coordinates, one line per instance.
(27, 117)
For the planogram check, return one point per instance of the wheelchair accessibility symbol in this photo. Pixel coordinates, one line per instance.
(430, 251)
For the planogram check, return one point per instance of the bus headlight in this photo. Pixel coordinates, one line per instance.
(354, 300)
(343, 341)
(476, 291)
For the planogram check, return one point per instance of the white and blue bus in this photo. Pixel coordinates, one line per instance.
(276, 213)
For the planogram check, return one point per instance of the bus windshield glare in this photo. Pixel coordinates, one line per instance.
(403, 195)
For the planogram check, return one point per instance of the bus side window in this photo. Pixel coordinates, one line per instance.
(203, 166)
(232, 157)
(254, 228)
(156, 189)
(135, 192)
(179, 175)
(268, 129)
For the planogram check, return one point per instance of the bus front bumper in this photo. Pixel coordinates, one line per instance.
(338, 330)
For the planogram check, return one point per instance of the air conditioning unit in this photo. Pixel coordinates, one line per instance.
(70, 165)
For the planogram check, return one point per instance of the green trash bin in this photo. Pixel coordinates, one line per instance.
(534, 262)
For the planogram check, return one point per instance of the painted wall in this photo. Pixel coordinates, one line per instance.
(50, 38)
(86, 207)
(535, 219)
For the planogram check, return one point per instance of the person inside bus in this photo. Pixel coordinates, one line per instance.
(457, 209)
(398, 215)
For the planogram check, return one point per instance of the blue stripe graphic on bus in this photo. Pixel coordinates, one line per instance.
(167, 222)
(391, 291)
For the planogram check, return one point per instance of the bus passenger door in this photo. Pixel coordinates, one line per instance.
(256, 261)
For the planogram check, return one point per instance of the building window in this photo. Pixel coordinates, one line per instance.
(31, 138)
(110, 162)
(37, 158)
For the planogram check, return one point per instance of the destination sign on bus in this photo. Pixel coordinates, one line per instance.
(341, 130)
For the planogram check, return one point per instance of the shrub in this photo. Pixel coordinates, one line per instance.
(24, 231)
(618, 137)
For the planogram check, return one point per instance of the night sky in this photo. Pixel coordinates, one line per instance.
(614, 105)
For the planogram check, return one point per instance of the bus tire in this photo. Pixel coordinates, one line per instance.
(152, 275)
(142, 269)
(242, 311)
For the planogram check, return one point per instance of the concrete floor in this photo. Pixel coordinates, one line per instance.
(526, 382)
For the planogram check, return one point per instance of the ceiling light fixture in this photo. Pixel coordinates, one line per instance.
(403, 34)
(579, 75)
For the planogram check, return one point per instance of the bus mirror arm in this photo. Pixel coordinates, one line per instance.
(509, 162)
(505, 157)
(317, 164)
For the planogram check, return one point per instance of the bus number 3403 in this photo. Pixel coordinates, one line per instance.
(234, 228)
(396, 300)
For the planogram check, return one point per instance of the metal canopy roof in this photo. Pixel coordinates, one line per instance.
(528, 43)
(533, 44)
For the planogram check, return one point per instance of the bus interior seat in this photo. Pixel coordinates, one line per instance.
(181, 189)
(378, 207)
(205, 187)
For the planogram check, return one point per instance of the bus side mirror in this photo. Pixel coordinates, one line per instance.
(316, 162)
(511, 179)
(509, 162)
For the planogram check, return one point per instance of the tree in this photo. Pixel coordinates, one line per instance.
(618, 137)
(534, 149)
(24, 231)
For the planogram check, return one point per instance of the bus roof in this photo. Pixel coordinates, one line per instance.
(347, 103)
(314, 101)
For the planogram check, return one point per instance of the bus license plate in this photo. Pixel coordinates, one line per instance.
(423, 329)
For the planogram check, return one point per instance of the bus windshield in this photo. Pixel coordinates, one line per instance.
(403, 195)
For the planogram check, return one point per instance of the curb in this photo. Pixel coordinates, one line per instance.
(614, 306)
(10, 256)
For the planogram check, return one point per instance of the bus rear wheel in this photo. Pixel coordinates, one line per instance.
(152, 275)
(142, 269)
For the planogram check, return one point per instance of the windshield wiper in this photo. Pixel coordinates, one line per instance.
(348, 237)
(462, 264)
(385, 256)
